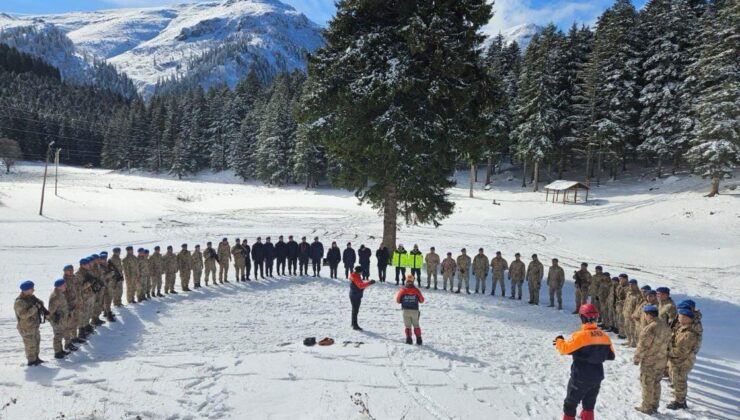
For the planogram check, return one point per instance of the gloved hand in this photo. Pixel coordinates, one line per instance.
(372, 282)
(555, 341)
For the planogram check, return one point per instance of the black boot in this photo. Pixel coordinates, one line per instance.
(418, 340)
(409, 340)
(675, 405)
(467, 290)
(60, 355)
(71, 347)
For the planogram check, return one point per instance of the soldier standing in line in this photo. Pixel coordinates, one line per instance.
(239, 264)
(498, 267)
(247, 261)
(197, 266)
(432, 261)
(30, 313)
(108, 287)
(269, 251)
(210, 258)
(652, 356)
(59, 317)
(74, 300)
(83, 290)
(555, 282)
(317, 255)
(91, 298)
(595, 286)
(103, 275)
(258, 258)
(184, 266)
(650, 299)
(535, 272)
(363, 255)
(115, 261)
(131, 272)
(143, 285)
(169, 261)
(333, 257)
(304, 253)
(695, 324)
(292, 251)
(156, 268)
(281, 254)
(632, 298)
(666, 308)
(224, 256)
(683, 349)
(610, 320)
(619, 301)
(463, 271)
(582, 280)
(348, 259)
(516, 275)
(382, 256)
(480, 270)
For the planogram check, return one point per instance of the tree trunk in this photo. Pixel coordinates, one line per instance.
(660, 167)
(475, 172)
(524, 173)
(715, 187)
(561, 164)
(598, 169)
(489, 168)
(536, 176)
(472, 171)
(588, 164)
(390, 218)
(676, 159)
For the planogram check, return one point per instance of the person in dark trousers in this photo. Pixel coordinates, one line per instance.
(590, 348)
(416, 267)
(304, 253)
(333, 256)
(383, 256)
(247, 260)
(317, 254)
(258, 257)
(397, 261)
(409, 296)
(356, 290)
(281, 254)
(364, 254)
(292, 251)
(348, 258)
(269, 250)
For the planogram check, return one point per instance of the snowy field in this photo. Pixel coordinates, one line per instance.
(235, 351)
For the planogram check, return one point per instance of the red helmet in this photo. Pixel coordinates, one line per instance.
(589, 311)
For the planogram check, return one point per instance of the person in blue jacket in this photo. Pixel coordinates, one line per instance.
(356, 290)
(348, 258)
(317, 254)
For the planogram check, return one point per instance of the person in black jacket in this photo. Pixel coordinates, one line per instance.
(292, 252)
(317, 254)
(281, 254)
(333, 256)
(590, 348)
(382, 255)
(269, 250)
(348, 258)
(258, 257)
(364, 254)
(304, 252)
(247, 260)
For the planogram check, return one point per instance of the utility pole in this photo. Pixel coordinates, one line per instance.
(43, 186)
(56, 173)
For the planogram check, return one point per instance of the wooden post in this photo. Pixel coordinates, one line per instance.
(43, 185)
(547, 194)
(56, 172)
(575, 197)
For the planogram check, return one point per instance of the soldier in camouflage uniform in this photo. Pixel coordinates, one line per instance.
(652, 356)
(683, 349)
(610, 319)
(480, 270)
(91, 285)
(432, 261)
(115, 261)
(209, 262)
(535, 272)
(516, 275)
(184, 266)
(29, 312)
(169, 261)
(131, 273)
(224, 256)
(463, 271)
(101, 287)
(73, 303)
(142, 289)
(555, 282)
(632, 299)
(619, 301)
(85, 281)
(449, 266)
(582, 279)
(197, 266)
(595, 286)
(650, 299)
(666, 307)
(239, 261)
(156, 269)
(498, 267)
(59, 317)
(110, 287)
(602, 287)
(695, 323)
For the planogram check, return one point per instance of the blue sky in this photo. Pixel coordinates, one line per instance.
(507, 12)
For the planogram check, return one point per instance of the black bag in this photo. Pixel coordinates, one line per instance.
(310, 341)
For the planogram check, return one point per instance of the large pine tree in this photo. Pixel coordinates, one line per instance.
(392, 90)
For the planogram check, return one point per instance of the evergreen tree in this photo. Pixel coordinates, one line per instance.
(393, 93)
(716, 147)
(247, 101)
(310, 157)
(577, 49)
(276, 139)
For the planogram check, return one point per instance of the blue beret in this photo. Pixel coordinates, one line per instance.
(663, 290)
(140, 250)
(650, 308)
(687, 312)
(94, 256)
(651, 293)
(599, 267)
(59, 283)
(68, 267)
(146, 251)
(104, 254)
(646, 287)
(633, 281)
(156, 248)
(184, 245)
(688, 303)
(27, 285)
(623, 275)
(84, 261)
(225, 239)
(129, 248)
(615, 278)
(116, 249)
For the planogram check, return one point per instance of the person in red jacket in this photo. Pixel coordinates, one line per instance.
(410, 297)
(356, 289)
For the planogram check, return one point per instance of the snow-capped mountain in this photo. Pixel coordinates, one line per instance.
(522, 34)
(202, 43)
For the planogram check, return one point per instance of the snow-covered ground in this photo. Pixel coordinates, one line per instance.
(235, 351)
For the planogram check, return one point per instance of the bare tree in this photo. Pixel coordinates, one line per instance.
(10, 151)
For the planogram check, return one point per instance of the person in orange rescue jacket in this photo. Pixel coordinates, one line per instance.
(410, 297)
(590, 348)
(356, 290)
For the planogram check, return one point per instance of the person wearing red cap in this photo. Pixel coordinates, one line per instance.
(356, 290)
(410, 297)
(590, 348)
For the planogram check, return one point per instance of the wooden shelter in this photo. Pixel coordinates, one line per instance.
(565, 188)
